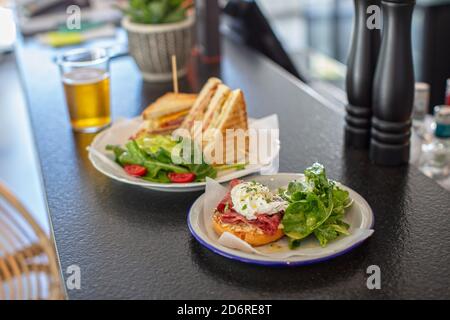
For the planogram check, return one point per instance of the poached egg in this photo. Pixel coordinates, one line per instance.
(252, 198)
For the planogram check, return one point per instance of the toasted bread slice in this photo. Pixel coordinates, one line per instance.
(214, 108)
(247, 232)
(232, 115)
(168, 104)
(201, 104)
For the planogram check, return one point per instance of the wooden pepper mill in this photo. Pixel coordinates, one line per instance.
(361, 64)
(393, 88)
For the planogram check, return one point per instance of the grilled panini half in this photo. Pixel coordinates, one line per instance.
(168, 112)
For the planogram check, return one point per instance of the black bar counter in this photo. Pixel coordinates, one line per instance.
(130, 242)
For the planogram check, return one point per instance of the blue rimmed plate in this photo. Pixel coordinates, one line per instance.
(359, 216)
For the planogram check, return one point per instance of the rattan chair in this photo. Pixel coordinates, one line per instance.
(28, 264)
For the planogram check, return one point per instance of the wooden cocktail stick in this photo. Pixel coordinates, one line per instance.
(174, 74)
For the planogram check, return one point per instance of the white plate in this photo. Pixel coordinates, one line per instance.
(119, 133)
(359, 216)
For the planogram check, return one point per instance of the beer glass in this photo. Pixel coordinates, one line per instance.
(85, 76)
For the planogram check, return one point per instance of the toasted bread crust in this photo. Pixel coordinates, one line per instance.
(247, 232)
(169, 103)
(143, 132)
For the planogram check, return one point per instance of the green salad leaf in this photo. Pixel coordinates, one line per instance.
(293, 243)
(151, 144)
(201, 170)
(302, 217)
(117, 150)
(160, 177)
(341, 199)
(316, 206)
(330, 231)
(155, 154)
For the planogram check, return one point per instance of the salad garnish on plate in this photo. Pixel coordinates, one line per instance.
(314, 207)
(150, 157)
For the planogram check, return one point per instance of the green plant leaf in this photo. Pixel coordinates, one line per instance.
(158, 10)
(155, 11)
(176, 15)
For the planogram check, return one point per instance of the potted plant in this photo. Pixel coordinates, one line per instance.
(158, 29)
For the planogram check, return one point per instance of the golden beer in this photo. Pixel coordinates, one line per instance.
(88, 98)
(85, 76)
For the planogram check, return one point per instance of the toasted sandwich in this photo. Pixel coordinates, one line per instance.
(216, 110)
(167, 113)
(201, 104)
(226, 124)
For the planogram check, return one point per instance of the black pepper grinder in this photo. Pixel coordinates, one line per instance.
(393, 88)
(361, 64)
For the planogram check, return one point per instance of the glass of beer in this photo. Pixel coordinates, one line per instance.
(85, 76)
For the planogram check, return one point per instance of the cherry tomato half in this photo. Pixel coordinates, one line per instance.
(135, 170)
(181, 177)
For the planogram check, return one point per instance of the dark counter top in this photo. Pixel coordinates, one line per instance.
(134, 243)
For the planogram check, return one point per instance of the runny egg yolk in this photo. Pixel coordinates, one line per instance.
(252, 198)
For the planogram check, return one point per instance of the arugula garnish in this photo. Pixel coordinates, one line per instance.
(316, 206)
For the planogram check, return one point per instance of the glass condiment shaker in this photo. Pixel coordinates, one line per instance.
(435, 157)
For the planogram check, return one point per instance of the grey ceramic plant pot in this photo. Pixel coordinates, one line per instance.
(152, 47)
